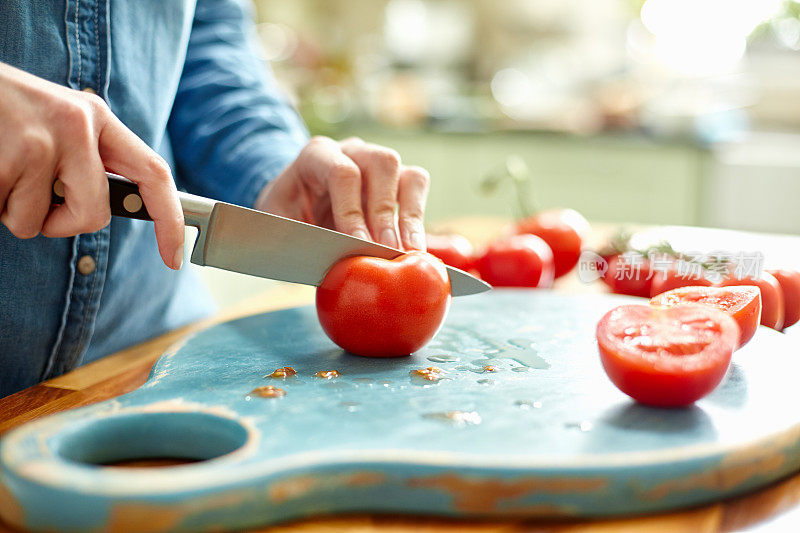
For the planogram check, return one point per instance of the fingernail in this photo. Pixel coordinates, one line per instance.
(417, 240)
(361, 234)
(177, 261)
(389, 237)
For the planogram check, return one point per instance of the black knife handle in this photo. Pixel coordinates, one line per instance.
(124, 198)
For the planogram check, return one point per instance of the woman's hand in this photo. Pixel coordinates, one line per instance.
(353, 187)
(50, 132)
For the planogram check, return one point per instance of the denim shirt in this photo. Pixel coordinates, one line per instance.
(183, 76)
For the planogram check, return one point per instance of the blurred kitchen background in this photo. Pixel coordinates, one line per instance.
(650, 112)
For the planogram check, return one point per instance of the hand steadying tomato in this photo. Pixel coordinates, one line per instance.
(564, 231)
(772, 306)
(629, 273)
(379, 308)
(517, 261)
(454, 250)
(742, 303)
(673, 278)
(666, 356)
(789, 281)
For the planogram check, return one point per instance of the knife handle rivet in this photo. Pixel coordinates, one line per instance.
(58, 188)
(132, 203)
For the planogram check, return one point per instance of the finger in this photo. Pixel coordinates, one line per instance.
(27, 205)
(124, 153)
(379, 168)
(26, 198)
(412, 194)
(85, 208)
(328, 165)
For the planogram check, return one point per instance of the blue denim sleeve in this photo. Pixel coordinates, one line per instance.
(231, 128)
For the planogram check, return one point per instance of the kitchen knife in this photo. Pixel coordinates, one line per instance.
(262, 244)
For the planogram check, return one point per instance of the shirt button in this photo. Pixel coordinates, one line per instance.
(89, 90)
(86, 265)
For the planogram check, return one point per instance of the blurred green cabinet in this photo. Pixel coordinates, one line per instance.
(607, 177)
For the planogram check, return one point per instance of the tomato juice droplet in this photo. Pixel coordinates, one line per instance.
(431, 373)
(267, 391)
(282, 373)
(327, 374)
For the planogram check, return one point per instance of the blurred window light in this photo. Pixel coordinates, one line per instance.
(419, 32)
(701, 37)
(510, 87)
(278, 42)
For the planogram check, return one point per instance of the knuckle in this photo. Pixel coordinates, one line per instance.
(417, 176)
(76, 117)
(36, 146)
(343, 174)
(318, 140)
(352, 216)
(158, 168)
(384, 210)
(387, 159)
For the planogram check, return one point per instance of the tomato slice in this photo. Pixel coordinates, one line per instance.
(789, 281)
(666, 280)
(666, 356)
(772, 306)
(742, 303)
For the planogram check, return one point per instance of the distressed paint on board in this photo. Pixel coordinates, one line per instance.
(374, 438)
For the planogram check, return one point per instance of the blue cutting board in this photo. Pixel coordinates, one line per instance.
(545, 434)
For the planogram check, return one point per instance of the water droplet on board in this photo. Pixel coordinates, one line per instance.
(363, 381)
(267, 391)
(486, 381)
(327, 374)
(444, 359)
(385, 383)
(527, 404)
(520, 369)
(456, 418)
(351, 406)
(584, 426)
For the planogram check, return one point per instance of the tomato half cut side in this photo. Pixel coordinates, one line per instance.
(666, 356)
(743, 303)
(772, 307)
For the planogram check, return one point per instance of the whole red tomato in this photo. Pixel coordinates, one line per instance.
(517, 261)
(772, 306)
(629, 273)
(455, 250)
(789, 281)
(379, 308)
(564, 231)
(666, 356)
(742, 303)
(674, 277)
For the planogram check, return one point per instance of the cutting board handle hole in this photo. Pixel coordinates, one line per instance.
(151, 439)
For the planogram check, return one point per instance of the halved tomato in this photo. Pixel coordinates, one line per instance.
(789, 281)
(772, 306)
(666, 356)
(673, 278)
(742, 303)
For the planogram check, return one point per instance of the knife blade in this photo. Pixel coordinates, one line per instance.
(261, 244)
